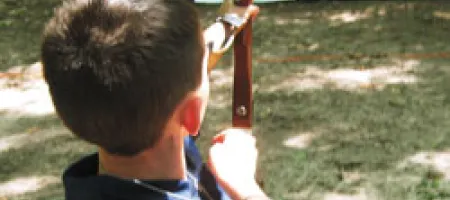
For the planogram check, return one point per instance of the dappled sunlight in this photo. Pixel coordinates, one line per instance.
(361, 195)
(290, 21)
(220, 79)
(23, 91)
(31, 136)
(350, 177)
(300, 141)
(439, 161)
(219, 100)
(348, 79)
(442, 15)
(348, 17)
(262, 18)
(33, 101)
(26, 184)
(304, 194)
(344, 91)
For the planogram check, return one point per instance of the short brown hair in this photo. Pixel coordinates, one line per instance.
(117, 70)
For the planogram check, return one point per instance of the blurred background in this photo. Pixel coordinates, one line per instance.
(351, 101)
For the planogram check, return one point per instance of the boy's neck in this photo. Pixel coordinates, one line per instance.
(161, 162)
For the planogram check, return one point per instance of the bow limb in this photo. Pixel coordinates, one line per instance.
(242, 87)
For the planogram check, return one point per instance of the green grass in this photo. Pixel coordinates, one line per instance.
(366, 133)
(21, 24)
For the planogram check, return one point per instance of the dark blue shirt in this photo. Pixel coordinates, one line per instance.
(82, 182)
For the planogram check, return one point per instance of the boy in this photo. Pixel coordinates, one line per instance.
(130, 76)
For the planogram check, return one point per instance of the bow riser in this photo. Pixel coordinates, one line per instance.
(242, 86)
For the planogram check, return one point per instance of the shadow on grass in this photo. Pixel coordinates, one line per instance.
(34, 151)
(355, 28)
(21, 24)
(356, 139)
(11, 124)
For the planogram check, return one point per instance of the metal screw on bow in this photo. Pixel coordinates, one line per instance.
(241, 111)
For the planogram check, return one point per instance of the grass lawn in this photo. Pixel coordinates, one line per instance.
(351, 101)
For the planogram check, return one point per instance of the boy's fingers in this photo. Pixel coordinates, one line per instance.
(252, 11)
(240, 139)
(235, 136)
(245, 131)
(219, 138)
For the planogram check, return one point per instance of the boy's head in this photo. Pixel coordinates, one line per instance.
(117, 69)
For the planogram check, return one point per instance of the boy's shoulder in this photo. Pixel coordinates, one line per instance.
(81, 181)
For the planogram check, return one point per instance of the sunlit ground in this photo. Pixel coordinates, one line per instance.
(348, 78)
(27, 93)
(438, 161)
(358, 127)
(27, 184)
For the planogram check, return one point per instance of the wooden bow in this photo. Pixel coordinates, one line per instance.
(242, 86)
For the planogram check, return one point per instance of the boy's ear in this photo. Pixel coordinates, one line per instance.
(191, 115)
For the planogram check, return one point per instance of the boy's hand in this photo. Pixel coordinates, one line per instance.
(233, 155)
(219, 36)
(232, 160)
